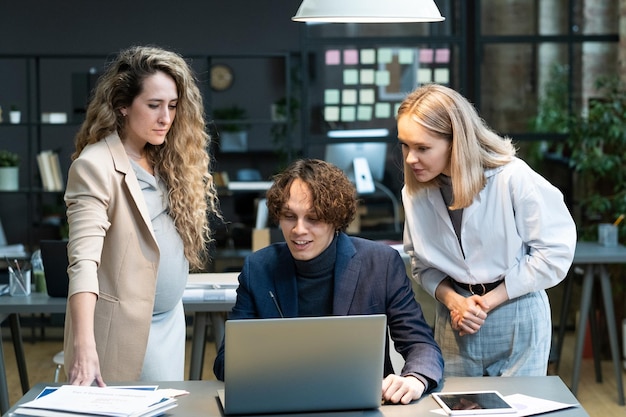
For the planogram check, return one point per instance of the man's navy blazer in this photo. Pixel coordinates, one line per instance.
(370, 278)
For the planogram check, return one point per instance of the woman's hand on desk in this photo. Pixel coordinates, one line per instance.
(86, 368)
(402, 389)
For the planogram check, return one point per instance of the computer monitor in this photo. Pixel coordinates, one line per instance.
(363, 162)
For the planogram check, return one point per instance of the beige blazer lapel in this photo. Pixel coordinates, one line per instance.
(122, 164)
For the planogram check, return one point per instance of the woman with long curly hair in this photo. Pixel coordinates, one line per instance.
(139, 194)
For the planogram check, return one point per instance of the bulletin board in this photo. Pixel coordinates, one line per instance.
(363, 85)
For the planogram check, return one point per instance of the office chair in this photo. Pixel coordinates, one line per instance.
(58, 359)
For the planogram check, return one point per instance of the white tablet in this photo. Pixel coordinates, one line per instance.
(473, 402)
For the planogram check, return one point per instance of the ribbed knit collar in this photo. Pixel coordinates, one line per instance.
(319, 266)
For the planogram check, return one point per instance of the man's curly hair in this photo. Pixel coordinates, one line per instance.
(334, 196)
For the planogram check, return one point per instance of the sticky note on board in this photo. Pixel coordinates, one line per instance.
(350, 76)
(331, 113)
(368, 76)
(368, 56)
(333, 57)
(331, 96)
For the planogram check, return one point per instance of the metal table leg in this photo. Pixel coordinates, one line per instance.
(18, 346)
(567, 299)
(218, 321)
(198, 340)
(4, 389)
(607, 295)
(585, 302)
(595, 339)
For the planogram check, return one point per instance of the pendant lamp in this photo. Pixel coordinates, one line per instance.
(368, 11)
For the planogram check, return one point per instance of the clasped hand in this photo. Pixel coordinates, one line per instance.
(468, 314)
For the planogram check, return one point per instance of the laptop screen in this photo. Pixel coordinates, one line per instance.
(55, 263)
(304, 364)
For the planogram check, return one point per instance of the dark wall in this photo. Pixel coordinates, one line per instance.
(190, 27)
(101, 28)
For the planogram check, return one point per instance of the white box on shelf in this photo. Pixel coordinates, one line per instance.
(54, 118)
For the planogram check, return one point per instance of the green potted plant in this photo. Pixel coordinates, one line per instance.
(9, 171)
(285, 115)
(232, 127)
(552, 118)
(596, 144)
(593, 148)
(285, 120)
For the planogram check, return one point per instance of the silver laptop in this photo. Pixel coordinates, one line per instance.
(303, 364)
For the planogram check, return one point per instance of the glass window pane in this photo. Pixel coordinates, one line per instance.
(508, 17)
(595, 60)
(508, 91)
(552, 87)
(598, 17)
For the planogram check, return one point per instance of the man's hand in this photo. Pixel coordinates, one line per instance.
(402, 389)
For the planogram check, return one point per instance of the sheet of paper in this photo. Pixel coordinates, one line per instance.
(108, 401)
(214, 280)
(209, 294)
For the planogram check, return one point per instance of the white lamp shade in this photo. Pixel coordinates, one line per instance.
(368, 11)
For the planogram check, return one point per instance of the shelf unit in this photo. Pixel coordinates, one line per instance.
(61, 83)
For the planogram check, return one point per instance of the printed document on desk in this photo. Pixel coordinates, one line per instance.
(72, 400)
(211, 287)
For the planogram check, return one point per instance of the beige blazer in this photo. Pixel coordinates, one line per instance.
(112, 253)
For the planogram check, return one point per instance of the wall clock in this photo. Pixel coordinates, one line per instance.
(221, 77)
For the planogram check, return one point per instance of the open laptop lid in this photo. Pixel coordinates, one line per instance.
(303, 364)
(55, 263)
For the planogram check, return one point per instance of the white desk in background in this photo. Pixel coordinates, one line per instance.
(205, 312)
(594, 259)
(202, 399)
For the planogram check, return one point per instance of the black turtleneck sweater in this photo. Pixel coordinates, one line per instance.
(315, 283)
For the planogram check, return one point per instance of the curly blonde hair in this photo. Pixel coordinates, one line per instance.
(182, 161)
(334, 196)
(475, 147)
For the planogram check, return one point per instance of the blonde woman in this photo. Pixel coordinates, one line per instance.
(138, 196)
(486, 236)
